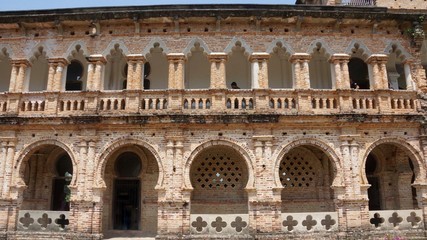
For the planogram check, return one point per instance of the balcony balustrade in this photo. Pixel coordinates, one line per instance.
(205, 102)
(358, 3)
(43, 221)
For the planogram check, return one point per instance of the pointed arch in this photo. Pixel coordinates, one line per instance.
(320, 45)
(196, 42)
(280, 44)
(75, 48)
(292, 143)
(247, 155)
(40, 48)
(236, 41)
(155, 43)
(115, 145)
(358, 49)
(413, 152)
(24, 155)
(7, 51)
(116, 44)
(396, 47)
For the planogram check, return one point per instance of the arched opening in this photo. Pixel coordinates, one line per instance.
(306, 174)
(390, 172)
(320, 69)
(74, 76)
(219, 175)
(39, 71)
(115, 70)
(395, 70)
(130, 200)
(5, 70)
(359, 73)
(197, 69)
(159, 68)
(238, 68)
(47, 174)
(279, 68)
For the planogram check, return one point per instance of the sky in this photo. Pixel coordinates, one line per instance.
(8, 5)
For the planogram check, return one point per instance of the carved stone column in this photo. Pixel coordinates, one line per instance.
(407, 66)
(94, 75)
(341, 74)
(301, 74)
(55, 77)
(174, 201)
(19, 74)
(218, 60)
(259, 70)
(378, 71)
(135, 71)
(265, 203)
(176, 70)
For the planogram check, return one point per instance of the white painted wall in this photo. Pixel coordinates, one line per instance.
(279, 72)
(5, 72)
(159, 69)
(238, 69)
(320, 72)
(197, 71)
(38, 74)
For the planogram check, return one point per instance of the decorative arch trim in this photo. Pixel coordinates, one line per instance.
(111, 148)
(235, 41)
(360, 48)
(203, 45)
(413, 152)
(30, 54)
(112, 45)
(25, 154)
(396, 46)
(72, 48)
(280, 43)
(5, 48)
(294, 143)
(244, 152)
(152, 44)
(324, 45)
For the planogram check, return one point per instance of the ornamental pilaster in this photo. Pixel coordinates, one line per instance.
(259, 69)
(218, 77)
(341, 74)
(378, 71)
(135, 71)
(19, 75)
(176, 70)
(55, 76)
(301, 78)
(94, 75)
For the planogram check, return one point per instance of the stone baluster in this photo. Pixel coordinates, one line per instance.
(259, 70)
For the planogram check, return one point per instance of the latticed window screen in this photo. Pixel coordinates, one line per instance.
(298, 169)
(218, 170)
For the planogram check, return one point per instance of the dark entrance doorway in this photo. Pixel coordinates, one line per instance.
(127, 189)
(60, 191)
(374, 190)
(126, 206)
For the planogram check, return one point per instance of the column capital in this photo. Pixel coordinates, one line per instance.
(97, 58)
(299, 57)
(57, 61)
(259, 56)
(20, 62)
(135, 58)
(377, 58)
(175, 57)
(337, 57)
(218, 57)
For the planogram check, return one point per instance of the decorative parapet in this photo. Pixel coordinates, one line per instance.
(310, 222)
(396, 219)
(215, 224)
(43, 221)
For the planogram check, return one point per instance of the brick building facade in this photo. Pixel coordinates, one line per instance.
(123, 122)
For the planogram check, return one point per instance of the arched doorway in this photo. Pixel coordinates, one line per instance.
(306, 174)
(130, 200)
(359, 73)
(47, 174)
(390, 172)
